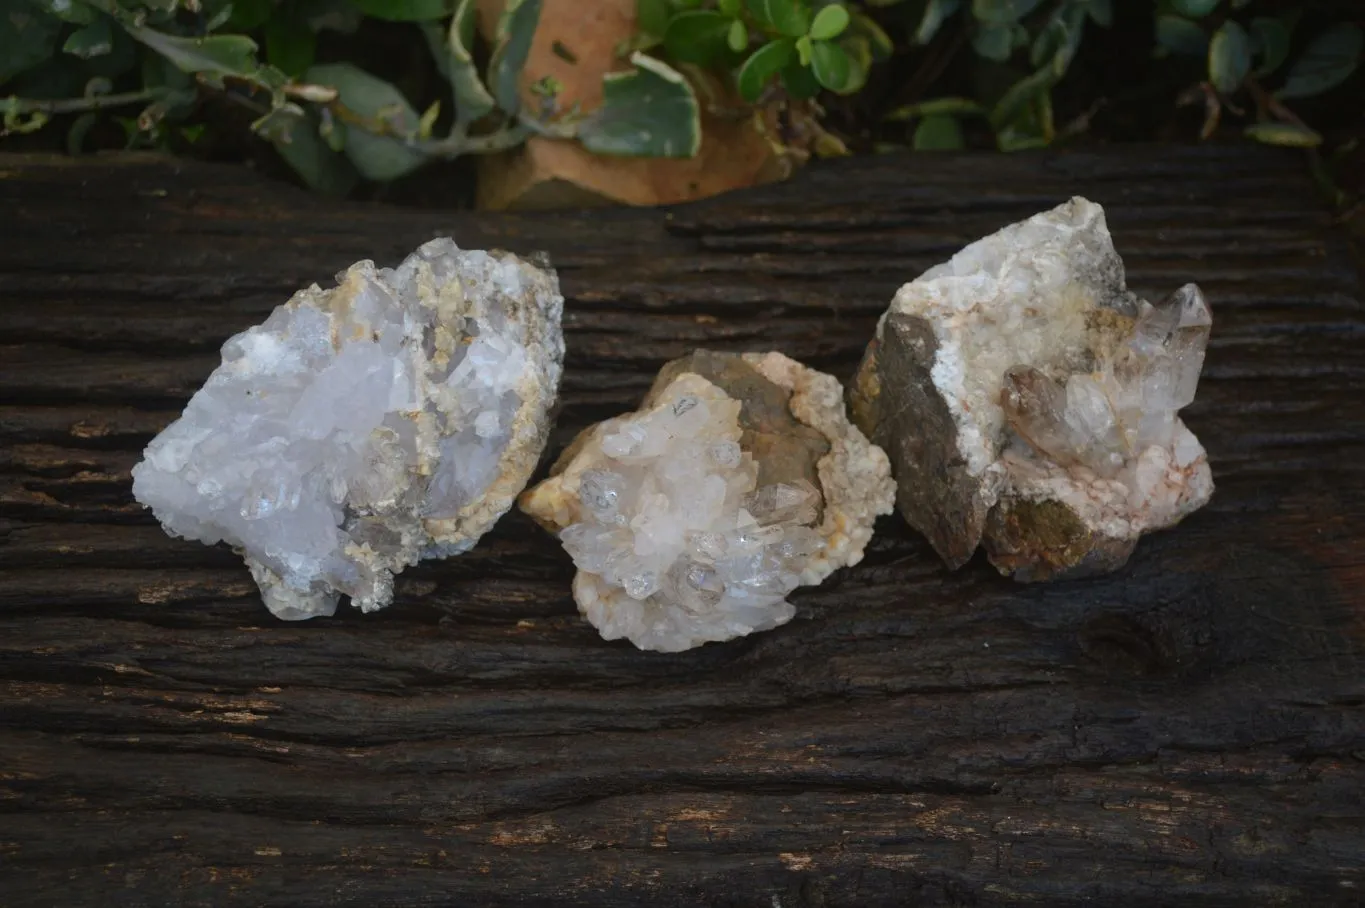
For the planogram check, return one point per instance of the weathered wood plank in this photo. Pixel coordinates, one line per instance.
(1190, 730)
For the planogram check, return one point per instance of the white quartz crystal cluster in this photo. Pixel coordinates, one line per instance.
(692, 519)
(1029, 400)
(1109, 442)
(362, 428)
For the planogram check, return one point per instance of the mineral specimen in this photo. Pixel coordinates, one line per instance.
(360, 429)
(1028, 400)
(691, 519)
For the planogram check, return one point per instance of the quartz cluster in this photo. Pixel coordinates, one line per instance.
(362, 428)
(692, 519)
(1029, 401)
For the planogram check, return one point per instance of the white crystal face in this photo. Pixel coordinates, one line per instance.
(675, 544)
(1115, 430)
(1017, 297)
(357, 429)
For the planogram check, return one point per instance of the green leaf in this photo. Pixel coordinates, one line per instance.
(860, 57)
(762, 65)
(1286, 134)
(1195, 9)
(378, 152)
(216, 55)
(731, 8)
(938, 133)
(1329, 60)
(803, 49)
(472, 100)
(737, 38)
(1271, 38)
(651, 17)
(158, 72)
(700, 37)
(290, 45)
(799, 81)
(935, 14)
(321, 167)
(93, 40)
(649, 111)
(404, 10)
(1229, 57)
(994, 42)
(515, 30)
(1101, 12)
(879, 42)
(28, 36)
(829, 23)
(786, 17)
(833, 68)
(1181, 36)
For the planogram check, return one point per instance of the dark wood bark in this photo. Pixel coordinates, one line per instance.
(1190, 730)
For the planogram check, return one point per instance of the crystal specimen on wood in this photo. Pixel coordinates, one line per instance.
(359, 429)
(690, 520)
(1028, 400)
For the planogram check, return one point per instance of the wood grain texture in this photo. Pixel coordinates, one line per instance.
(1188, 731)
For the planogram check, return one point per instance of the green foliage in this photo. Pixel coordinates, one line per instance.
(1229, 57)
(77, 63)
(799, 46)
(1242, 52)
(332, 122)
(379, 121)
(649, 110)
(1235, 47)
(516, 28)
(938, 132)
(1327, 62)
(1025, 47)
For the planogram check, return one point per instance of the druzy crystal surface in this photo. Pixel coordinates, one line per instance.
(362, 428)
(692, 519)
(1029, 401)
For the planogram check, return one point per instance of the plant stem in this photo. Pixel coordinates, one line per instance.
(461, 143)
(76, 105)
(457, 145)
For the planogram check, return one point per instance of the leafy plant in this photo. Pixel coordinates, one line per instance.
(331, 122)
(1026, 48)
(1242, 55)
(799, 45)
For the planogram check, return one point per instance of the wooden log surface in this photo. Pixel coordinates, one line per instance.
(1187, 731)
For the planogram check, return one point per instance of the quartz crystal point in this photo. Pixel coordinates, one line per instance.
(1029, 401)
(690, 520)
(362, 428)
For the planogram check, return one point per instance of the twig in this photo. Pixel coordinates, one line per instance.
(1268, 102)
(457, 145)
(77, 105)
